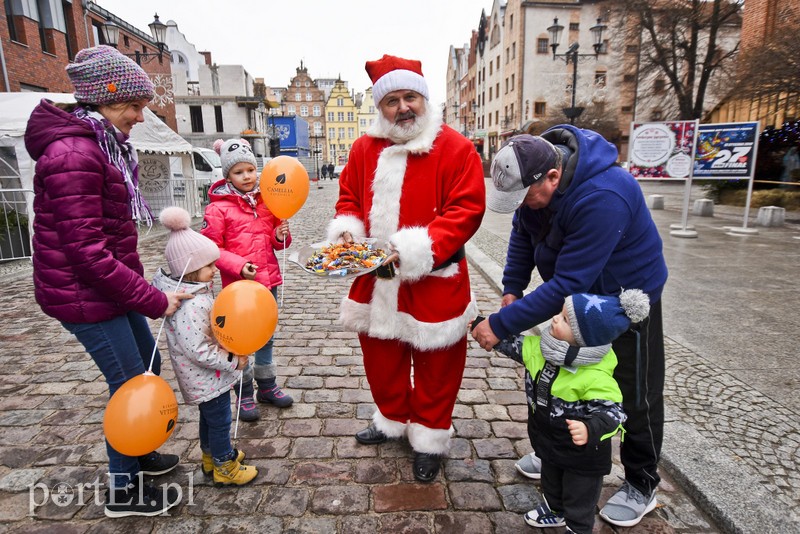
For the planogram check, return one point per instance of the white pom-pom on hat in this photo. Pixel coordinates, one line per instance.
(636, 304)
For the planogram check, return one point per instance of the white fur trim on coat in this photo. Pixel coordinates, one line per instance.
(429, 440)
(380, 319)
(392, 429)
(414, 246)
(346, 223)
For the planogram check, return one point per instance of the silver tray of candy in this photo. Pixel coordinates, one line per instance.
(340, 260)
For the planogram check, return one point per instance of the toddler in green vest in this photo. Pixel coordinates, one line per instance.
(574, 403)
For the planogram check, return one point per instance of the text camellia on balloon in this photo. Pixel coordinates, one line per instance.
(244, 316)
(284, 186)
(141, 415)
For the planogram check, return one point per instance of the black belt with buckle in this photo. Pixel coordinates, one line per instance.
(455, 258)
(387, 271)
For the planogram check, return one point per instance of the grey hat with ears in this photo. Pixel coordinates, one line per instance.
(234, 151)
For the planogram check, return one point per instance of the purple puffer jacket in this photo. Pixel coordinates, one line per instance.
(85, 265)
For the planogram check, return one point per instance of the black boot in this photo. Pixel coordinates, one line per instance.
(370, 436)
(426, 466)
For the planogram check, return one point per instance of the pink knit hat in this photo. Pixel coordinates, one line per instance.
(187, 251)
(102, 75)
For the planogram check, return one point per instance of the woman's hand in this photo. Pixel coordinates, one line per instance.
(282, 230)
(249, 271)
(174, 301)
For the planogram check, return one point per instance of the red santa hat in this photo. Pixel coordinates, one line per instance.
(392, 73)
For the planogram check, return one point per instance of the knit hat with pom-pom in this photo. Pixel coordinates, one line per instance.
(187, 251)
(599, 319)
(103, 75)
(234, 151)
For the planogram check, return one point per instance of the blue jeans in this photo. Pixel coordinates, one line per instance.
(121, 348)
(215, 427)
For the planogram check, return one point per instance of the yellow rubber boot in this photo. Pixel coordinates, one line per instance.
(208, 462)
(234, 473)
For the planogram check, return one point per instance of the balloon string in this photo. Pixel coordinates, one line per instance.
(155, 345)
(238, 407)
(283, 271)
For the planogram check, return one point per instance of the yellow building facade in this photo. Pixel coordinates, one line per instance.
(341, 116)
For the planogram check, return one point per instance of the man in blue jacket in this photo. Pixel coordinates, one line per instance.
(582, 221)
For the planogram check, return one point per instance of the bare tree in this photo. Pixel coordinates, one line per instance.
(680, 44)
(772, 69)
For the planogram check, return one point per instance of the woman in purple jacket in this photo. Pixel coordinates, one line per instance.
(87, 273)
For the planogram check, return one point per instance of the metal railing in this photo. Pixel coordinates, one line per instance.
(15, 238)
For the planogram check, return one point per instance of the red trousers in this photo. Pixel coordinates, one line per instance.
(427, 400)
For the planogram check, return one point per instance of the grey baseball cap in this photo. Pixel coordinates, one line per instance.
(521, 162)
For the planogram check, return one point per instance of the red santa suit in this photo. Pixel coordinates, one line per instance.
(426, 198)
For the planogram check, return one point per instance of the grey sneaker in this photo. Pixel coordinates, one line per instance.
(627, 506)
(530, 466)
(543, 517)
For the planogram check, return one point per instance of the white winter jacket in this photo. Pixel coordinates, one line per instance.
(200, 364)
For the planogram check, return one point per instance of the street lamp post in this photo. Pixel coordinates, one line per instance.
(157, 29)
(572, 56)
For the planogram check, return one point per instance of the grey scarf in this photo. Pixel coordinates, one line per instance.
(558, 352)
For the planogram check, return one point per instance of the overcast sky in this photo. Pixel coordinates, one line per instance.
(332, 37)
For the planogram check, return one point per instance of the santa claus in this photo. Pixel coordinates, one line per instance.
(417, 185)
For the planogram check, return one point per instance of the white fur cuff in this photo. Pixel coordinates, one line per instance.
(392, 429)
(429, 440)
(346, 223)
(415, 248)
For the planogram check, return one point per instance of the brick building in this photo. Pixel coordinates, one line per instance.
(40, 38)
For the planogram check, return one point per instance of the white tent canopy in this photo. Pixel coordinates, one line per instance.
(155, 142)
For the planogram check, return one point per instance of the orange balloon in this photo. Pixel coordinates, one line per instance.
(141, 415)
(284, 186)
(244, 316)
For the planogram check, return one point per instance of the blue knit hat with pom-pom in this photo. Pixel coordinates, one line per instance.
(600, 319)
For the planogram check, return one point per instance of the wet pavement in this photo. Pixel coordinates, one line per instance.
(731, 444)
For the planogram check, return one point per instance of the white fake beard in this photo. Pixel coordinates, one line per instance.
(402, 133)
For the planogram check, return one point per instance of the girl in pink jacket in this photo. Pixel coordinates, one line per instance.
(247, 235)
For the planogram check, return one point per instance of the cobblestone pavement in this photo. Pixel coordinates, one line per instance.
(313, 476)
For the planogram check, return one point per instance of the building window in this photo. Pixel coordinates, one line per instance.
(297, 97)
(304, 111)
(513, 77)
(340, 101)
(574, 26)
(330, 116)
(506, 82)
(513, 50)
(350, 116)
(308, 96)
(490, 94)
(196, 116)
(340, 116)
(291, 110)
(28, 88)
(341, 135)
(16, 28)
(351, 133)
(542, 45)
(362, 123)
(218, 118)
(626, 109)
(658, 86)
(331, 133)
(629, 78)
(631, 49)
(600, 78)
(540, 109)
(317, 111)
